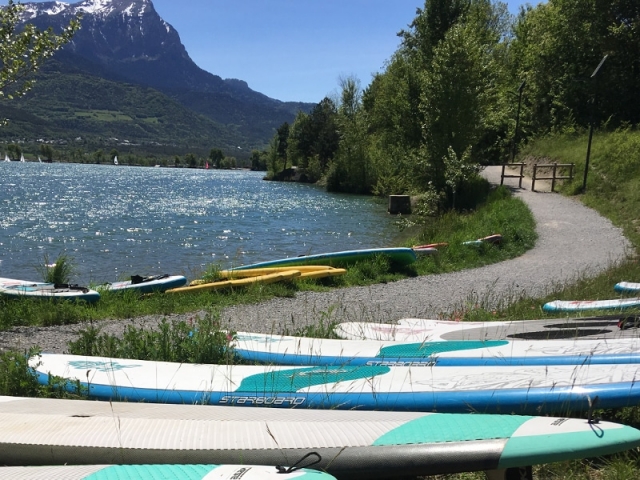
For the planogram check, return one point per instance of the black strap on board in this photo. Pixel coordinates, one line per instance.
(298, 465)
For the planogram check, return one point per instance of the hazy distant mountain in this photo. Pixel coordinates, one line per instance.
(126, 40)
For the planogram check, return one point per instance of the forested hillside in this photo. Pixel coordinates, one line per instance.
(450, 97)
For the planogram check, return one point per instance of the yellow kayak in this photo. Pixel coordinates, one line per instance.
(269, 278)
(253, 272)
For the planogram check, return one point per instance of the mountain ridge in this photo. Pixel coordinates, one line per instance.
(127, 41)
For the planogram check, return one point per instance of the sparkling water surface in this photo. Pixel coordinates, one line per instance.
(115, 221)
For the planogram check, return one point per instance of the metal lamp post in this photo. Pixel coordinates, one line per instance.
(591, 122)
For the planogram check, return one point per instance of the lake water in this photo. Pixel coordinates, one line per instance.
(115, 221)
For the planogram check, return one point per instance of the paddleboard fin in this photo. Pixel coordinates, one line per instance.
(592, 406)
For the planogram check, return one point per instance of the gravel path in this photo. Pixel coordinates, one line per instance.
(573, 241)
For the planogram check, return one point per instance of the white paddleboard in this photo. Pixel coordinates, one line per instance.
(348, 444)
(627, 287)
(504, 389)
(288, 350)
(426, 330)
(583, 305)
(39, 290)
(173, 472)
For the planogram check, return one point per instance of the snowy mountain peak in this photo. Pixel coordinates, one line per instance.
(98, 8)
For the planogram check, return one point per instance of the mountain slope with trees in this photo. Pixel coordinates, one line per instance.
(126, 49)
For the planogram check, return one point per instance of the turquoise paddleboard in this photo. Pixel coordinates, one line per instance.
(146, 284)
(346, 444)
(401, 256)
(491, 389)
(288, 350)
(585, 305)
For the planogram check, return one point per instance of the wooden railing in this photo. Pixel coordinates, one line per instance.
(554, 173)
(557, 173)
(521, 176)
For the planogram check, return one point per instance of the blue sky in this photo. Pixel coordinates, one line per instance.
(292, 49)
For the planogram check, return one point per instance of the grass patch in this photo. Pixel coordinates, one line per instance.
(200, 340)
(499, 214)
(18, 380)
(103, 115)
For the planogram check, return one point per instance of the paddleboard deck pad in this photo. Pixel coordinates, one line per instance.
(350, 444)
(426, 330)
(288, 350)
(158, 472)
(503, 389)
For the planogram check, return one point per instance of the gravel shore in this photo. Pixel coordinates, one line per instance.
(573, 241)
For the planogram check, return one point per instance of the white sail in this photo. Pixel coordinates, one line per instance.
(6, 158)
(39, 159)
(115, 160)
(21, 157)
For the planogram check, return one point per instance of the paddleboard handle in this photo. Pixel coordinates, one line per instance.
(592, 405)
(298, 466)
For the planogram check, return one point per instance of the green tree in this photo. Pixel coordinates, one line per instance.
(283, 141)
(14, 151)
(47, 152)
(272, 156)
(429, 28)
(392, 104)
(459, 93)
(300, 140)
(216, 156)
(557, 46)
(191, 160)
(258, 160)
(24, 48)
(98, 156)
(351, 169)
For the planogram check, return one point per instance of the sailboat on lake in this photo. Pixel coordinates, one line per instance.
(115, 160)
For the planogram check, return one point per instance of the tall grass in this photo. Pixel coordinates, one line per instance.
(199, 340)
(60, 272)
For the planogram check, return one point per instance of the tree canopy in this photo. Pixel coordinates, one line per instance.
(24, 48)
(447, 99)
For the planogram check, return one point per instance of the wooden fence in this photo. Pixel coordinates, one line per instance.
(558, 171)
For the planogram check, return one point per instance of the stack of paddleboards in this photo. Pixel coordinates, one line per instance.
(355, 408)
(264, 275)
